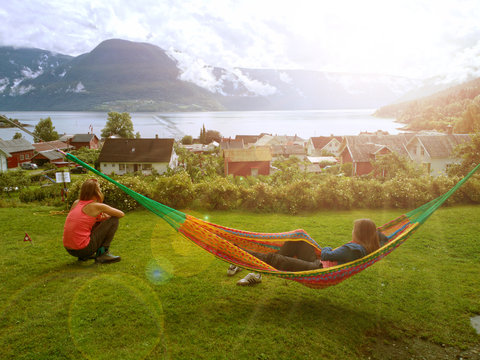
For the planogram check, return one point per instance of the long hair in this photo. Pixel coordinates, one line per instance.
(365, 234)
(90, 190)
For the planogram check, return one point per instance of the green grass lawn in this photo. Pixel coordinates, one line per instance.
(168, 299)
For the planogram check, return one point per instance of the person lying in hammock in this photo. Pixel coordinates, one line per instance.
(301, 256)
(91, 225)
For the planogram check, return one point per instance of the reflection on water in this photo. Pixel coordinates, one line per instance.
(304, 123)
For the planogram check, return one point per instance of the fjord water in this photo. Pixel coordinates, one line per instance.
(304, 123)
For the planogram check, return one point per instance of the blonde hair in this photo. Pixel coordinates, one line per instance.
(91, 189)
(365, 234)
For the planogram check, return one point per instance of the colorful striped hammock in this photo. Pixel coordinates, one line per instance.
(230, 244)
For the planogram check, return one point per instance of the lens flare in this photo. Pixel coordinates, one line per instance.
(159, 271)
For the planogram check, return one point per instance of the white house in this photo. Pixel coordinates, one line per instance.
(3, 160)
(435, 152)
(316, 146)
(121, 156)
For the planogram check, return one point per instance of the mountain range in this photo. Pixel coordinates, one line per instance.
(120, 75)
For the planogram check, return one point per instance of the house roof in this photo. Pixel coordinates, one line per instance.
(137, 150)
(82, 138)
(319, 142)
(247, 139)
(65, 137)
(287, 150)
(362, 147)
(15, 145)
(441, 146)
(50, 145)
(231, 144)
(255, 153)
(7, 154)
(279, 140)
(50, 154)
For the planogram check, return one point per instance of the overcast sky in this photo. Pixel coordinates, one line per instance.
(414, 38)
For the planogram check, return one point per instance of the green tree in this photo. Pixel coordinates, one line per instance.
(469, 152)
(45, 130)
(392, 165)
(118, 124)
(212, 135)
(202, 135)
(470, 120)
(90, 156)
(17, 136)
(187, 140)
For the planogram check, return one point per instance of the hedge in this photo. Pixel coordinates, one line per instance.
(330, 192)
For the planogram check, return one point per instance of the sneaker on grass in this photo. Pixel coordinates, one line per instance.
(250, 279)
(232, 270)
(107, 258)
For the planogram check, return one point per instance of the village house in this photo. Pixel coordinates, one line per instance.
(228, 143)
(21, 151)
(121, 156)
(271, 140)
(252, 161)
(361, 150)
(321, 145)
(200, 148)
(46, 152)
(4, 155)
(286, 151)
(435, 152)
(248, 139)
(90, 141)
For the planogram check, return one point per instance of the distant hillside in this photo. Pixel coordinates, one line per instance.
(129, 76)
(19, 66)
(458, 107)
(117, 74)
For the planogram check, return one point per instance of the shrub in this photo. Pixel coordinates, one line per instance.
(40, 193)
(175, 191)
(407, 193)
(13, 180)
(298, 196)
(335, 193)
(218, 194)
(259, 197)
(41, 176)
(114, 196)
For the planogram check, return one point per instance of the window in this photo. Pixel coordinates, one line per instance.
(22, 157)
(147, 167)
(254, 171)
(27, 156)
(104, 165)
(121, 167)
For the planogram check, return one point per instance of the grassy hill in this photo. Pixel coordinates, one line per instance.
(168, 299)
(458, 107)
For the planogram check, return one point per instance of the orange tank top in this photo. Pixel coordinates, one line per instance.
(78, 226)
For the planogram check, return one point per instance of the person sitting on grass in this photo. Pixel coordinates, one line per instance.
(91, 225)
(301, 256)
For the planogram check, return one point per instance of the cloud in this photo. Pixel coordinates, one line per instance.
(416, 38)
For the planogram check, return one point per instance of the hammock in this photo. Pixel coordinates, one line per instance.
(230, 244)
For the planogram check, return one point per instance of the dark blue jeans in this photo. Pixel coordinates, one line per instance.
(292, 256)
(101, 235)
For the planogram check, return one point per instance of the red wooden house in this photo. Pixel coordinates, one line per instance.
(361, 150)
(89, 141)
(21, 151)
(247, 162)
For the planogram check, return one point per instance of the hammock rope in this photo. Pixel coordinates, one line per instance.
(230, 244)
